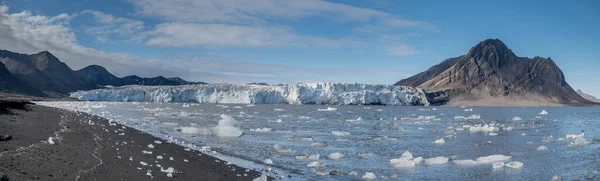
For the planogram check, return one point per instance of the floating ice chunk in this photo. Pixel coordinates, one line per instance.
(365, 155)
(492, 159)
(328, 109)
(314, 157)
(315, 164)
(497, 165)
(340, 133)
(268, 161)
(523, 134)
(465, 162)
(186, 160)
(517, 119)
(227, 127)
(157, 142)
(369, 176)
(261, 130)
(590, 174)
(278, 110)
(418, 160)
(319, 144)
(51, 141)
(556, 178)
(575, 136)
(402, 163)
(146, 152)
(335, 156)
(484, 128)
(407, 154)
(195, 131)
(280, 149)
(261, 178)
(493, 134)
(440, 141)
(436, 161)
(353, 173)
(579, 141)
(150, 146)
(143, 163)
(542, 148)
(508, 128)
(514, 164)
(543, 112)
(303, 117)
(160, 157)
(468, 110)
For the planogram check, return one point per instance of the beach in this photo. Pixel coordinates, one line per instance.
(54, 144)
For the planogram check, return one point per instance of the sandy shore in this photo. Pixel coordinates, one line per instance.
(90, 148)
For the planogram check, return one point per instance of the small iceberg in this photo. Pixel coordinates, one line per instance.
(335, 156)
(440, 141)
(514, 165)
(328, 109)
(543, 112)
(436, 161)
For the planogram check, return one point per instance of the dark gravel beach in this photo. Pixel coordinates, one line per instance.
(90, 148)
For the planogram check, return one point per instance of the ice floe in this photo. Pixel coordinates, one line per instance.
(514, 165)
(369, 176)
(492, 159)
(436, 161)
(335, 156)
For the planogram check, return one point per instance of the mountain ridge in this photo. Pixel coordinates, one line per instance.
(490, 74)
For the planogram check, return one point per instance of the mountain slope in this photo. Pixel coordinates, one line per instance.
(587, 96)
(491, 74)
(430, 73)
(44, 71)
(10, 84)
(98, 75)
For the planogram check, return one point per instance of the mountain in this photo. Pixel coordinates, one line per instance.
(44, 72)
(10, 84)
(587, 96)
(98, 75)
(184, 82)
(490, 74)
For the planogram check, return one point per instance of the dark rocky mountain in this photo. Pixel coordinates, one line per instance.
(98, 75)
(587, 96)
(160, 80)
(44, 72)
(184, 82)
(490, 74)
(10, 84)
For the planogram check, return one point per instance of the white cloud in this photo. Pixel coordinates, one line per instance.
(110, 24)
(402, 50)
(250, 11)
(220, 35)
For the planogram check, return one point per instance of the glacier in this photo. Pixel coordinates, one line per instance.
(297, 94)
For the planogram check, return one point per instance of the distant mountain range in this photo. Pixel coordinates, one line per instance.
(43, 74)
(587, 96)
(490, 74)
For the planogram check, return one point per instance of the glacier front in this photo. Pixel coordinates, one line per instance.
(303, 93)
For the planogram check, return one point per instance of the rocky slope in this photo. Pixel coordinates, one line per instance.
(44, 72)
(10, 84)
(490, 74)
(587, 96)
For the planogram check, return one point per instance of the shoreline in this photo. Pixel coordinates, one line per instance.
(89, 147)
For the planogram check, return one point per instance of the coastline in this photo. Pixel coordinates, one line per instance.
(88, 147)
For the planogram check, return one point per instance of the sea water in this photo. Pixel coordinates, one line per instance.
(345, 142)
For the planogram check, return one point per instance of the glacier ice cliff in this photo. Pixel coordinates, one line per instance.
(303, 93)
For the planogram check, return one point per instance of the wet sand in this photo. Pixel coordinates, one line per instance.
(88, 147)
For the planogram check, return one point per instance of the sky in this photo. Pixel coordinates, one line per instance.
(292, 41)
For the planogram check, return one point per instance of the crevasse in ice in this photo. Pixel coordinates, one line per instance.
(303, 93)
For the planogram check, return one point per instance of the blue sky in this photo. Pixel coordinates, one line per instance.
(237, 41)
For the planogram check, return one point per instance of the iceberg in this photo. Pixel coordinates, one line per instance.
(303, 93)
